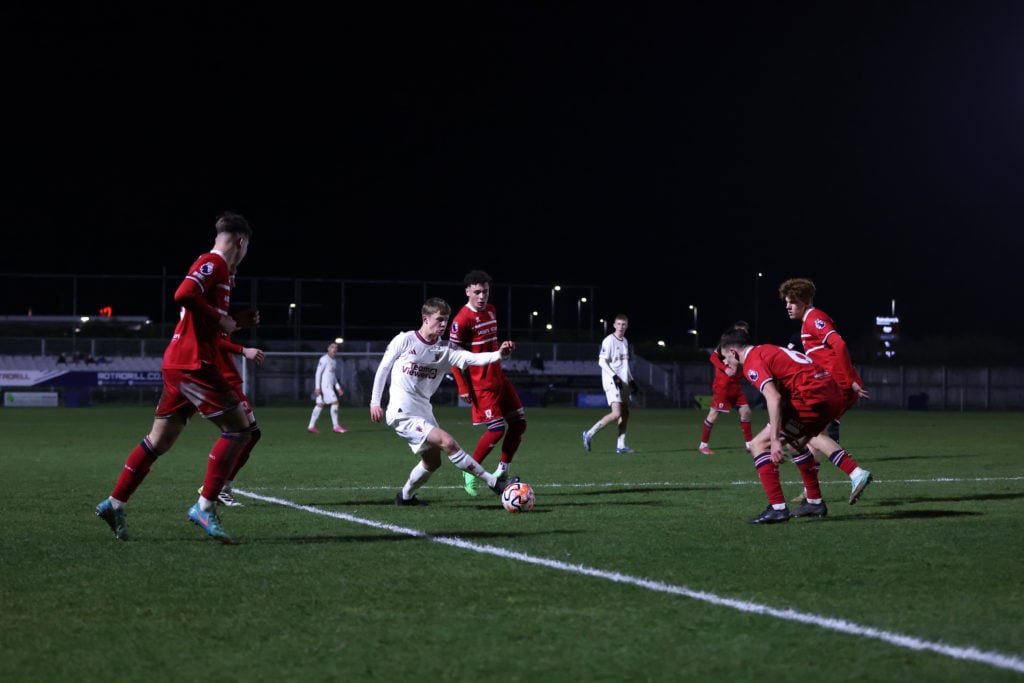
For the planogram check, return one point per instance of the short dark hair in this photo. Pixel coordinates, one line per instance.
(737, 336)
(233, 223)
(476, 277)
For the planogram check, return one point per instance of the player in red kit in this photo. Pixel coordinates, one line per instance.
(486, 388)
(726, 392)
(228, 351)
(194, 382)
(822, 342)
(802, 399)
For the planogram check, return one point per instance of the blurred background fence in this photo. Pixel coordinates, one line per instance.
(97, 338)
(116, 369)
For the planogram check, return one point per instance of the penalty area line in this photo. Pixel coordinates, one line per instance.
(972, 654)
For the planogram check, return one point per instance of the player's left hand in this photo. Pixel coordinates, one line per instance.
(506, 348)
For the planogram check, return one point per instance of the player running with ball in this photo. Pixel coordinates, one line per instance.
(416, 362)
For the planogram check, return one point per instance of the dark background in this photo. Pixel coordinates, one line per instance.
(664, 156)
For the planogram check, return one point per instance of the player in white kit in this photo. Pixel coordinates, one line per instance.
(416, 362)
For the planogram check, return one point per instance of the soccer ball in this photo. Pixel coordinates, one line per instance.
(518, 497)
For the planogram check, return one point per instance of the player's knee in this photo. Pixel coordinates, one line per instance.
(517, 427)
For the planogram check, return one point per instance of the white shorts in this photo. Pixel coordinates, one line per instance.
(413, 428)
(326, 396)
(614, 394)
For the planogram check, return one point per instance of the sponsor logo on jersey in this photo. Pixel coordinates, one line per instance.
(419, 371)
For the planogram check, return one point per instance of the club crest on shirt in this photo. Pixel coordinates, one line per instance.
(206, 269)
(820, 324)
(752, 375)
(455, 327)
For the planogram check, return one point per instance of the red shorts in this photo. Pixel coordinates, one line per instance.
(490, 405)
(726, 396)
(802, 420)
(850, 398)
(190, 391)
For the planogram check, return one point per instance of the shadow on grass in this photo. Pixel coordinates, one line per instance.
(904, 515)
(930, 457)
(611, 491)
(955, 499)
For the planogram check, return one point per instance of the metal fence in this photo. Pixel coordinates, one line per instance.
(571, 370)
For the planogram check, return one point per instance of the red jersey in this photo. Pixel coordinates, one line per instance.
(826, 347)
(226, 359)
(477, 331)
(204, 296)
(723, 380)
(799, 380)
(726, 391)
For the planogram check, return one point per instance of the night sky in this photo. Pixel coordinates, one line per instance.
(665, 156)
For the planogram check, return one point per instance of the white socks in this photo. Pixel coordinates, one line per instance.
(465, 462)
(417, 478)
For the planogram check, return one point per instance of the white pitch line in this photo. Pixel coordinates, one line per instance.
(973, 654)
(694, 484)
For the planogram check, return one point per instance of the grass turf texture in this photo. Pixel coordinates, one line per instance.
(352, 587)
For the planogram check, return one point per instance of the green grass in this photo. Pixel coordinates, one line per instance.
(622, 572)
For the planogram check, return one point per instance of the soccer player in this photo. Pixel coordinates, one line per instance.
(416, 362)
(618, 382)
(328, 390)
(802, 399)
(486, 388)
(228, 350)
(194, 382)
(726, 392)
(825, 346)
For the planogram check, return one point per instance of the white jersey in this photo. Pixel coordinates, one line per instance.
(326, 374)
(417, 368)
(614, 359)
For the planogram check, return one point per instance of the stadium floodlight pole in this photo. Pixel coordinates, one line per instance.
(579, 310)
(696, 334)
(556, 288)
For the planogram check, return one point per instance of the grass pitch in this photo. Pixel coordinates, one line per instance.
(630, 568)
